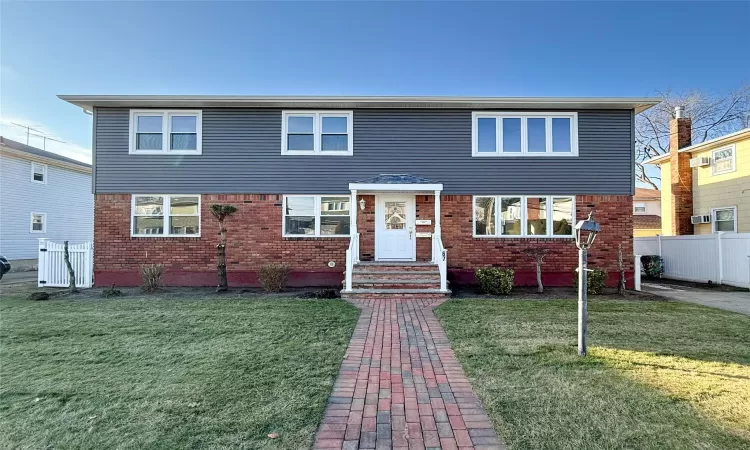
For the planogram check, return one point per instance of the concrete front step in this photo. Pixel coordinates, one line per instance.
(404, 276)
(396, 284)
(390, 266)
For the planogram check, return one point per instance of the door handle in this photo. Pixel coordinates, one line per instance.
(410, 231)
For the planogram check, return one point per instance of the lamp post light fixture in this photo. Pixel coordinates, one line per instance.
(586, 231)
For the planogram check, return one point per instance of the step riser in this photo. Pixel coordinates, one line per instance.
(395, 285)
(363, 297)
(395, 268)
(404, 276)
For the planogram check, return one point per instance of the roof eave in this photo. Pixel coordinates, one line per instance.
(88, 102)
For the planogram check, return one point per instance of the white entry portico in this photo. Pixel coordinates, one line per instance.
(395, 220)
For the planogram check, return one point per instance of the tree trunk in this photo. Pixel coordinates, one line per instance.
(539, 286)
(221, 267)
(621, 281)
(71, 273)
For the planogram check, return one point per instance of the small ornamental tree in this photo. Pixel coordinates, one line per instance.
(621, 269)
(537, 254)
(71, 273)
(221, 212)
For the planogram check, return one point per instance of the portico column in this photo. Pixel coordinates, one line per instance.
(353, 213)
(437, 213)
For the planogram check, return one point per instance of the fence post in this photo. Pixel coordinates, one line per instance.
(41, 263)
(658, 239)
(721, 256)
(637, 272)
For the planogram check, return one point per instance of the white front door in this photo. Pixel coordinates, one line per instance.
(394, 228)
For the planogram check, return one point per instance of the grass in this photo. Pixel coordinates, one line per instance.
(163, 373)
(659, 375)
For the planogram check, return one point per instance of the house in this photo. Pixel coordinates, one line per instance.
(705, 187)
(42, 195)
(646, 212)
(360, 189)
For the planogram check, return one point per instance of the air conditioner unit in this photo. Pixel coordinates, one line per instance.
(700, 161)
(695, 220)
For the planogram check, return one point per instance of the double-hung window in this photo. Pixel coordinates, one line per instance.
(723, 160)
(38, 173)
(166, 215)
(724, 219)
(38, 223)
(530, 134)
(317, 133)
(175, 132)
(316, 215)
(524, 216)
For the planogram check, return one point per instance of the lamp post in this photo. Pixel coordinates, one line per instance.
(586, 231)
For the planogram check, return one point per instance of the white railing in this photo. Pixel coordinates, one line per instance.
(440, 257)
(53, 272)
(719, 258)
(352, 258)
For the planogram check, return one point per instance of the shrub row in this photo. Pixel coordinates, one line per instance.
(497, 281)
(272, 277)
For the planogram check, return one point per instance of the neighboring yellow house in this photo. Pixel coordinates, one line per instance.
(720, 184)
(646, 212)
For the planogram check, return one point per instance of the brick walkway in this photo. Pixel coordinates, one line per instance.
(400, 386)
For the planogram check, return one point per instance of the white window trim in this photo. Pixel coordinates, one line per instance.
(734, 161)
(165, 207)
(44, 223)
(317, 216)
(166, 129)
(44, 172)
(524, 116)
(524, 208)
(713, 219)
(318, 132)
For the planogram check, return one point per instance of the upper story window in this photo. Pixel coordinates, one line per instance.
(639, 208)
(530, 133)
(524, 216)
(316, 216)
(38, 223)
(156, 132)
(39, 173)
(316, 132)
(166, 215)
(723, 160)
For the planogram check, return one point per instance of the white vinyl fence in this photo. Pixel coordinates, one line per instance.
(52, 269)
(719, 258)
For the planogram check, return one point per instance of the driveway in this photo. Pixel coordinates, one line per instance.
(13, 278)
(737, 301)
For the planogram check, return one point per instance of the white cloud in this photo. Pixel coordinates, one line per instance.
(11, 131)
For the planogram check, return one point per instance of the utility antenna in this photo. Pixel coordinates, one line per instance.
(28, 130)
(47, 138)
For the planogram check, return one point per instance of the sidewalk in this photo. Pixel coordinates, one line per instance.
(731, 301)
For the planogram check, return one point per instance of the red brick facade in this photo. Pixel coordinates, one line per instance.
(255, 238)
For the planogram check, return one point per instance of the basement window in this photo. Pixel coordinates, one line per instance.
(166, 215)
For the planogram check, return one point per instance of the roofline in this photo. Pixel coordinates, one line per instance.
(51, 161)
(701, 146)
(88, 102)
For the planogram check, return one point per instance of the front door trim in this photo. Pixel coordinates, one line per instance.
(410, 223)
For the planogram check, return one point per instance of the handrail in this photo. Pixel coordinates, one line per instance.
(440, 257)
(352, 258)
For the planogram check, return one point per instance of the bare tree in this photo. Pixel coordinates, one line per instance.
(712, 116)
(221, 212)
(621, 270)
(71, 273)
(538, 255)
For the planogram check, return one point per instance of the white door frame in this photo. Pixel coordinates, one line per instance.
(411, 215)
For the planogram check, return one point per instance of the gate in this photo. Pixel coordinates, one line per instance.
(52, 269)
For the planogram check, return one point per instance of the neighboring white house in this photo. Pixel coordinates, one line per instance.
(42, 195)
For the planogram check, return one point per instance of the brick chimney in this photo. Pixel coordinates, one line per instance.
(681, 177)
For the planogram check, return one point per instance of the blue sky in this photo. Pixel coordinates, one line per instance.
(504, 49)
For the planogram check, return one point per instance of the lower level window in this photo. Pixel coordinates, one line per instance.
(166, 215)
(725, 219)
(38, 223)
(524, 216)
(316, 215)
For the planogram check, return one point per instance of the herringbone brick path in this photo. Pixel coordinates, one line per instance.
(400, 386)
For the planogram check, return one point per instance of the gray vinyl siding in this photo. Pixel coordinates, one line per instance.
(242, 154)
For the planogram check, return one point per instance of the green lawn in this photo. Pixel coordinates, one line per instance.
(659, 375)
(163, 373)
